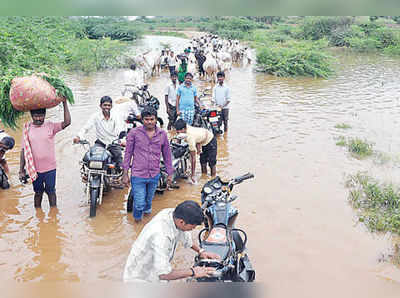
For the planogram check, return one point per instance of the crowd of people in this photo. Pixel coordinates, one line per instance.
(153, 250)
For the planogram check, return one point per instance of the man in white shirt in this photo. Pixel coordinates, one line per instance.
(154, 249)
(108, 127)
(170, 100)
(134, 79)
(171, 62)
(221, 97)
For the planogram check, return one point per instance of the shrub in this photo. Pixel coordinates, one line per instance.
(294, 59)
(315, 28)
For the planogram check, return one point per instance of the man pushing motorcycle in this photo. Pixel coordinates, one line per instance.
(108, 127)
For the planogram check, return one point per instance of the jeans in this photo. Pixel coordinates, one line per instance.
(143, 190)
(45, 182)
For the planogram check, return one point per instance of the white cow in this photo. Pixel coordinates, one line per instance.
(210, 67)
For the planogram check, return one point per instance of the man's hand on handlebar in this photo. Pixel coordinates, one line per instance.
(209, 255)
(76, 140)
(203, 271)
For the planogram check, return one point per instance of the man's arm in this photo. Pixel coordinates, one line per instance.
(190, 272)
(178, 98)
(130, 147)
(166, 103)
(227, 97)
(197, 100)
(167, 155)
(67, 115)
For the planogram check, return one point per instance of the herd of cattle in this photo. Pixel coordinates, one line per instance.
(219, 54)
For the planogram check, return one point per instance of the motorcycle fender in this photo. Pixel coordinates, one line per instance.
(95, 181)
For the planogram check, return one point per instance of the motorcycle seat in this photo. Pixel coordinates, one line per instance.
(216, 242)
(221, 249)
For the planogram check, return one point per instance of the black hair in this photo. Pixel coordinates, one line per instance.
(148, 111)
(188, 74)
(190, 212)
(133, 66)
(8, 141)
(105, 99)
(180, 124)
(38, 112)
(220, 74)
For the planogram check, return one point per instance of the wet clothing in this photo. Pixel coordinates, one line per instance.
(143, 190)
(209, 153)
(41, 140)
(154, 249)
(45, 182)
(197, 135)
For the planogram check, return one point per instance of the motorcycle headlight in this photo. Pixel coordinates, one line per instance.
(96, 164)
(207, 190)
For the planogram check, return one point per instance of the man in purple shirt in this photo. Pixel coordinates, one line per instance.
(145, 144)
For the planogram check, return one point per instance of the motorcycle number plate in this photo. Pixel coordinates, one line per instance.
(213, 119)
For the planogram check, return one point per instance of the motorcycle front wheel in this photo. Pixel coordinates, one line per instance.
(94, 193)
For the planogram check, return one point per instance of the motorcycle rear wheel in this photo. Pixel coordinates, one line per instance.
(94, 193)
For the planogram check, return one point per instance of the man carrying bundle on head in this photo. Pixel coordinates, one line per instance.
(38, 156)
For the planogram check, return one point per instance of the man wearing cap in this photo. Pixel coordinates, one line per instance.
(154, 249)
(6, 143)
(38, 154)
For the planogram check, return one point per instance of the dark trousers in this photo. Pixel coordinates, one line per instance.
(171, 115)
(45, 182)
(115, 150)
(171, 69)
(209, 153)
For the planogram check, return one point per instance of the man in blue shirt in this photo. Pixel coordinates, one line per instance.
(186, 96)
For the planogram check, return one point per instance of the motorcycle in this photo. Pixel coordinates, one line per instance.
(222, 238)
(98, 173)
(4, 184)
(143, 98)
(209, 117)
(180, 163)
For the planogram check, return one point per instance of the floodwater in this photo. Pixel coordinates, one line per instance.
(303, 236)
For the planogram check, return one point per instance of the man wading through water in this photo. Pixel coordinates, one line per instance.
(38, 154)
(144, 144)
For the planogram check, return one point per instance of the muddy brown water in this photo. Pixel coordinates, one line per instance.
(303, 236)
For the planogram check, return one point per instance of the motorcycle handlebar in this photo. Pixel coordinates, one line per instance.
(240, 179)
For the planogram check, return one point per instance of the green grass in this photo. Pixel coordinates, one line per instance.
(377, 204)
(341, 141)
(357, 147)
(342, 126)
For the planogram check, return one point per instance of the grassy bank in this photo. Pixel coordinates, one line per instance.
(57, 44)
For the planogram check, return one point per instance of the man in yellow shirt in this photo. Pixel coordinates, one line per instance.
(200, 141)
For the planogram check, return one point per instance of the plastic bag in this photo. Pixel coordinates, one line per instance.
(32, 92)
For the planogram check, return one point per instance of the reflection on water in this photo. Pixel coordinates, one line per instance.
(301, 230)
